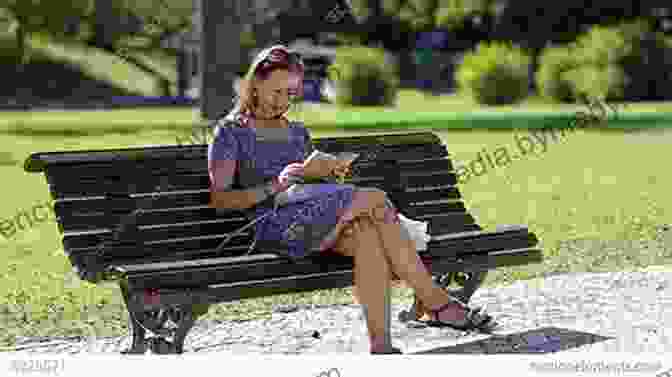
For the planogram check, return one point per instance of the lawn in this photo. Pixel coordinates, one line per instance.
(413, 110)
(591, 199)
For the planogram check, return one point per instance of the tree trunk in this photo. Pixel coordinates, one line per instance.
(23, 93)
(183, 73)
(534, 66)
(220, 48)
(21, 43)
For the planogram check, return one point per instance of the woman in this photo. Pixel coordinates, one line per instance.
(263, 150)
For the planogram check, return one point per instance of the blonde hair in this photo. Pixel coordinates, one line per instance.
(268, 60)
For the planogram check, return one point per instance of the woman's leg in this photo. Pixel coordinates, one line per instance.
(372, 277)
(402, 255)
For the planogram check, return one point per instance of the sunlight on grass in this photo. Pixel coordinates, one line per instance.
(100, 65)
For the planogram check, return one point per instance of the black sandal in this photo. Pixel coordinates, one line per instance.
(473, 320)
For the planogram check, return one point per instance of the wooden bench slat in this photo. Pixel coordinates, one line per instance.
(38, 162)
(90, 207)
(479, 241)
(199, 274)
(217, 226)
(217, 293)
(476, 262)
(486, 243)
(85, 219)
(155, 171)
(189, 182)
(184, 245)
(116, 169)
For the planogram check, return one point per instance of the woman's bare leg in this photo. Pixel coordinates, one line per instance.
(372, 277)
(406, 262)
(400, 253)
(403, 257)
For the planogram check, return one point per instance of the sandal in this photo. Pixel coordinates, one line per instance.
(389, 351)
(417, 304)
(473, 320)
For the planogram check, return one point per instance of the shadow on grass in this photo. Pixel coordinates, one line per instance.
(6, 159)
(538, 341)
(71, 132)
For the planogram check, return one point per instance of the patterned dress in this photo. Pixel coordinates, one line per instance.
(306, 219)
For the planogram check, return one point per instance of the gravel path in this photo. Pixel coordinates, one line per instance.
(635, 308)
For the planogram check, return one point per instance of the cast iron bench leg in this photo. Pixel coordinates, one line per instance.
(469, 282)
(184, 318)
(138, 341)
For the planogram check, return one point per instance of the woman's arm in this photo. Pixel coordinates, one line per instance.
(222, 161)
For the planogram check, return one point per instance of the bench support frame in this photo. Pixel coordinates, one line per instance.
(156, 322)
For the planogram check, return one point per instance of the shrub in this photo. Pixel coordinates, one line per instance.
(364, 77)
(627, 61)
(601, 46)
(554, 62)
(494, 74)
(597, 82)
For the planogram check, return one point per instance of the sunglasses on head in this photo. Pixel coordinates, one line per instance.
(280, 55)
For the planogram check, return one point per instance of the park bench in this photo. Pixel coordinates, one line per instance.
(139, 217)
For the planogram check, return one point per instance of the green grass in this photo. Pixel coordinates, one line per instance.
(413, 111)
(593, 187)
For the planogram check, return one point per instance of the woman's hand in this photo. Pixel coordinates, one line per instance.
(292, 173)
(320, 168)
(341, 171)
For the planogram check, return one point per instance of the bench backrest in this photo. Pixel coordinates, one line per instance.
(93, 190)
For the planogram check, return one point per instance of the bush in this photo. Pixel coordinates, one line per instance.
(627, 61)
(364, 77)
(494, 74)
(597, 82)
(601, 46)
(554, 62)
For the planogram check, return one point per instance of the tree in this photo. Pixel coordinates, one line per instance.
(129, 27)
(41, 16)
(535, 25)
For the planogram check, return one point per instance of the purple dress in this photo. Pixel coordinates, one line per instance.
(249, 156)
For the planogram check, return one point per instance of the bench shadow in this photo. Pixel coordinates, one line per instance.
(537, 341)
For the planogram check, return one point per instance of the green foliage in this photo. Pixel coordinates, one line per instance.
(597, 82)
(608, 63)
(45, 15)
(451, 13)
(494, 74)
(424, 14)
(554, 62)
(601, 45)
(364, 77)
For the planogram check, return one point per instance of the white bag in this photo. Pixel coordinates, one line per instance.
(417, 231)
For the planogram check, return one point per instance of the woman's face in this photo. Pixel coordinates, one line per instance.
(273, 94)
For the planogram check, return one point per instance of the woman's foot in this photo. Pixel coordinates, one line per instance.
(456, 315)
(382, 346)
(386, 351)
